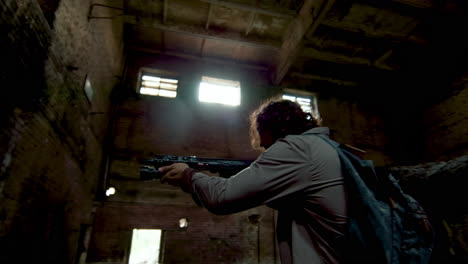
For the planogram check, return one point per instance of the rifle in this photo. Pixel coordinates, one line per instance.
(225, 168)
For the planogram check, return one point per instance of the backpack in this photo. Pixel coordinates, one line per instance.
(385, 225)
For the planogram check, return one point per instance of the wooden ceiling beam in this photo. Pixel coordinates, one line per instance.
(310, 16)
(165, 7)
(143, 10)
(210, 11)
(343, 59)
(371, 33)
(202, 32)
(316, 77)
(414, 8)
(197, 58)
(417, 3)
(251, 21)
(253, 15)
(276, 12)
(380, 62)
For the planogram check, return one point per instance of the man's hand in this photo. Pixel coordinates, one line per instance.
(173, 174)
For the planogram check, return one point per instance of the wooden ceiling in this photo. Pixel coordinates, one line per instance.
(342, 42)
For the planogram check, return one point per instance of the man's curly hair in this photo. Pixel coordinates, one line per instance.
(280, 118)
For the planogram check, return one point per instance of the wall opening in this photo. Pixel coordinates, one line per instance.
(146, 246)
(307, 101)
(151, 84)
(220, 91)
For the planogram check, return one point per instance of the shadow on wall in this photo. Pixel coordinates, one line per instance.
(48, 8)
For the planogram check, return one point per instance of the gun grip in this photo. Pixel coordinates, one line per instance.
(149, 173)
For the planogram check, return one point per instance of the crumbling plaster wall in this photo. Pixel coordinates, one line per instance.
(446, 126)
(51, 136)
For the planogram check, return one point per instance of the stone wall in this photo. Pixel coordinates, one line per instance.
(440, 187)
(52, 135)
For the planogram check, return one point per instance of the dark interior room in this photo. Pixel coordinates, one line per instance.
(93, 89)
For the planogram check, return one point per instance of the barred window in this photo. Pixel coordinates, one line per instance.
(308, 103)
(157, 86)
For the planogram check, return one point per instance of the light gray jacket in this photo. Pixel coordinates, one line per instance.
(300, 176)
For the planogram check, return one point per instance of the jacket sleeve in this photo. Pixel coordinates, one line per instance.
(281, 170)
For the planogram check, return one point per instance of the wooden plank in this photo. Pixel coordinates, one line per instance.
(417, 3)
(251, 21)
(231, 37)
(165, 7)
(284, 13)
(209, 16)
(323, 78)
(310, 16)
(198, 58)
(341, 59)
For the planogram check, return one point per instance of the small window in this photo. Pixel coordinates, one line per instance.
(157, 86)
(214, 90)
(308, 103)
(146, 246)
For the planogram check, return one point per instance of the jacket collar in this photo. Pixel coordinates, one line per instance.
(318, 130)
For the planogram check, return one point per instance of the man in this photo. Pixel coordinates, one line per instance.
(298, 174)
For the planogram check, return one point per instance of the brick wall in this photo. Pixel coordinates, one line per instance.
(53, 140)
(146, 125)
(51, 146)
(236, 238)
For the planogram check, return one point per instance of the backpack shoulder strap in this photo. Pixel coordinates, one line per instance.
(357, 152)
(362, 171)
(326, 138)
